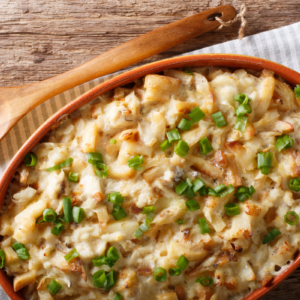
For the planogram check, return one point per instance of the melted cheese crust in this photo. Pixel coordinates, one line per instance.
(138, 119)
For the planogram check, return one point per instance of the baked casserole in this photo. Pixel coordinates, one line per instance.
(182, 185)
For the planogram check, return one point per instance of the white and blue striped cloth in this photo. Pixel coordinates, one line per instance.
(279, 45)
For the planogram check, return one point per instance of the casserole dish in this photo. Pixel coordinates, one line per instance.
(232, 61)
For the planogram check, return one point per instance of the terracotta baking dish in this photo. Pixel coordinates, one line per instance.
(227, 60)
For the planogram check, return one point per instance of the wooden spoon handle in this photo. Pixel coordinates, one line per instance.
(21, 100)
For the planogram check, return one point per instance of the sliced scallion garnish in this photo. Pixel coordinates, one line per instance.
(287, 218)
(136, 163)
(271, 236)
(205, 281)
(54, 287)
(185, 124)
(67, 208)
(182, 148)
(232, 209)
(160, 274)
(264, 162)
(173, 135)
(71, 255)
(203, 225)
(205, 146)
(3, 258)
(192, 205)
(73, 177)
(196, 114)
(219, 119)
(30, 159)
(284, 142)
(62, 165)
(21, 251)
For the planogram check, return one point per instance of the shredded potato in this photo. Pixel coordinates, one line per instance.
(130, 128)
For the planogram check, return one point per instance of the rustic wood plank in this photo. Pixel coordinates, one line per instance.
(40, 39)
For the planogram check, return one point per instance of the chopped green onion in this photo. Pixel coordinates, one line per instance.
(185, 124)
(220, 188)
(284, 142)
(182, 148)
(242, 98)
(188, 71)
(205, 281)
(294, 184)
(196, 114)
(101, 170)
(116, 198)
(54, 287)
(49, 215)
(148, 209)
(271, 236)
(113, 255)
(212, 192)
(241, 123)
(243, 193)
(180, 221)
(111, 258)
(287, 220)
(3, 258)
(141, 230)
(135, 163)
(150, 218)
(189, 182)
(264, 162)
(182, 262)
(94, 158)
(203, 225)
(203, 191)
(205, 146)
(232, 209)
(118, 297)
(297, 91)
(67, 208)
(189, 193)
(113, 141)
(111, 280)
(165, 145)
(73, 177)
(30, 159)
(173, 136)
(71, 255)
(219, 119)
(160, 274)
(197, 185)
(118, 213)
(181, 187)
(243, 109)
(62, 165)
(99, 278)
(39, 220)
(58, 227)
(21, 251)
(174, 271)
(78, 214)
(192, 205)
(100, 261)
(229, 189)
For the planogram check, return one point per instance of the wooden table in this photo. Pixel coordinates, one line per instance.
(40, 39)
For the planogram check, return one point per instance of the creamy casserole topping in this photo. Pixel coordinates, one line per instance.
(180, 186)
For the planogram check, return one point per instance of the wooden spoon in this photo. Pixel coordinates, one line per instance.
(15, 102)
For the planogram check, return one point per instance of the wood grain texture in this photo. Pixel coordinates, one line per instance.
(41, 39)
